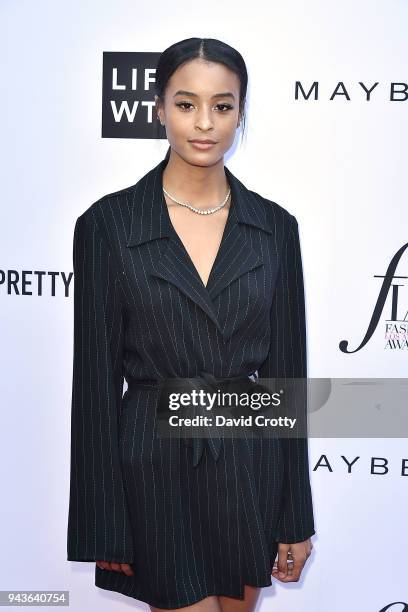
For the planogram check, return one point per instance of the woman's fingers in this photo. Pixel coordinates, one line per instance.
(281, 565)
(299, 561)
(125, 568)
(103, 564)
(291, 560)
(115, 567)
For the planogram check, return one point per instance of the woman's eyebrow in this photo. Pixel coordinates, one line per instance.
(183, 92)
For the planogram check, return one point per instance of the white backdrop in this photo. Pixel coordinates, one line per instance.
(339, 165)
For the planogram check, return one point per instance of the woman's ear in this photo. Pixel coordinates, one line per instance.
(240, 116)
(157, 106)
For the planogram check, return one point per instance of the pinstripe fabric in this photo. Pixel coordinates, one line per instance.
(141, 311)
(287, 358)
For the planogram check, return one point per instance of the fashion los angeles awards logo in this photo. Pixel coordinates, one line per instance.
(396, 326)
(128, 95)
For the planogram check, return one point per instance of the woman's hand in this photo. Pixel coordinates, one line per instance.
(291, 559)
(117, 567)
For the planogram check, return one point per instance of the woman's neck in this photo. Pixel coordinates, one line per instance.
(202, 186)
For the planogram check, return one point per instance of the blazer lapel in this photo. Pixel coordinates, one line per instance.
(235, 257)
(175, 266)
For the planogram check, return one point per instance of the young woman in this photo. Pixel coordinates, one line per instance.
(187, 274)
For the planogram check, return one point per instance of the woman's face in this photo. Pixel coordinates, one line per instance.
(194, 109)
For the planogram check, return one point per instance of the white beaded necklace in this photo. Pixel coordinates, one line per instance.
(199, 211)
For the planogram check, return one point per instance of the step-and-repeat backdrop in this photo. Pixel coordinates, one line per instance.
(325, 137)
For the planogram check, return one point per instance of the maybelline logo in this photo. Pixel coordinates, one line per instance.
(398, 92)
(378, 466)
(396, 327)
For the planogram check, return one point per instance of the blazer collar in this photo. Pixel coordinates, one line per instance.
(150, 219)
(236, 255)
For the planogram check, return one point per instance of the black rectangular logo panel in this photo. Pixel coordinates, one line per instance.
(128, 82)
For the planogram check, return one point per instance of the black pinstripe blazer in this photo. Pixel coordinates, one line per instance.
(141, 311)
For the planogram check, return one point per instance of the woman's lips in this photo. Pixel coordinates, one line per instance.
(202, 145)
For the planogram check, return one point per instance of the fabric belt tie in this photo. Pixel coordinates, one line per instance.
(205, 380)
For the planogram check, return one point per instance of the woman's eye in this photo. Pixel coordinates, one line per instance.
(184, 104)
(226, 106)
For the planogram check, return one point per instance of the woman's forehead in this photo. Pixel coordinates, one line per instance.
(203, 78)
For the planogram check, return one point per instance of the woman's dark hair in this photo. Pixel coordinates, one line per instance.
(209, 49)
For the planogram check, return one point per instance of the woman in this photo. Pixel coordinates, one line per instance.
(187, 274)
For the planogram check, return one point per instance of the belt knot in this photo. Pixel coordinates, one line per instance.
(207, 380)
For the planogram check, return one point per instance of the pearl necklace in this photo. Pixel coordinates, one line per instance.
(199, 211)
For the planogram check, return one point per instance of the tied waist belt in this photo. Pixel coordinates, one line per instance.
(205, 380)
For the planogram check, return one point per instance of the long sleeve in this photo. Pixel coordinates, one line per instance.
(98, 521)
(287, 359)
